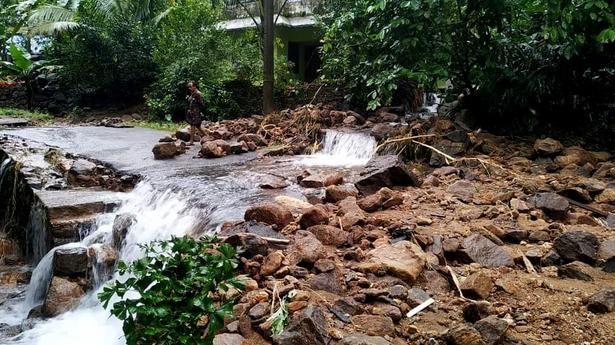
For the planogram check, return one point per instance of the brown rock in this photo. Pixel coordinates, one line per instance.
(228, 339)
(341, 192)
(577, 270)
(547, 147)
(62, 296)
(272, 214)
(272, 263)
(491, 329)
(371, 203)
(70, 261)
(606, 197)
(602, 301)
(464, 335)
(329, 235)
(477, 285)
(314, 215)
(403, 259)
(463, 189)
(385, 171)
(305, 248)
(165, 151)
(374, 324)
(209, 149)
(482, 250)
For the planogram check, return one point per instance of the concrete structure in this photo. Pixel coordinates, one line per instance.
(296, 28)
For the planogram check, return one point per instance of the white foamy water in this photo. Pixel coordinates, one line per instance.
(344, 149)
(159, 216)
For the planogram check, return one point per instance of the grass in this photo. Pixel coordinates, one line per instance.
(26, 114)
(161, 126)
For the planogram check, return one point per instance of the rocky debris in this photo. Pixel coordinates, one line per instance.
(62, 296)
(552, 204)
(228, 339)
(329, 235)
(477, 286)
(403, 259)
(337, 193)
(307, 328)
(606, 197)
(602, 301)
(121, 224)
(485, 252)
(384, 198)
(577, 270)
(272, 263)
(166, 150)
(491, 329)
(306, 248)
(575, 155)
(385, 171)
(362, 339)
(310, 180)
(464, 335)
(212, 149)
(548, 147)
(70, 261)
(463, 189)
(606, 254)
(272, 214)
(577, 245)
(314, 215)
(374, 325)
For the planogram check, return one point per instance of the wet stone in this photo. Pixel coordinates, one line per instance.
(70, 261)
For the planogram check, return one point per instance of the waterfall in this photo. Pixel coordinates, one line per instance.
(343, 149)
(158, 216)
(3, 168)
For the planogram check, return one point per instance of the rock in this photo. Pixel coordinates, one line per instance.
(552, 203)
(350, 120)
(209, 149)
(387, 310)
(348, 305)
(464, 335)
(165, 151)
(606, 253)
(602, 301)
(477, 285)
(82, 167)
(272, 263)
(577, 270)
(221, 133)
(70, 261)
(385, 171)
(228, 339)
(259, 310)
(485, 252)
(314, 215)
(371, 203)
(551, 258)
(121, 224)
(341, 192)
(239, 147)
(362, 339)
(273, 182)
(324, 265)
(319, 181)
(252, 244)
(327, 281)
(374, 324)
(575, 155)
(183, 134)
(548, 147)
(254, 138)
(305, 248)
(62, 296)
(519, 205)
(416, 296)
(491, 329)
(606, 197)
(515, 235)
(224, 145)
(403, 259)
(309, 327)
(329, 235)
(577, 245)
(270, 213)
(476, 310)
(448, 147)
(463, 189)
(383, 130)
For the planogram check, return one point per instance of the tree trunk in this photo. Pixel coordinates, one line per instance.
(268, 36)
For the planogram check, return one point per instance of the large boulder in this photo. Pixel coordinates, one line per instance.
(547, 147)
(70, 261)
(254, 138)
(577, 246)
(82, 167)
(165, 151)
(480, 249)
(403, 259)
(270, 213)
(309, 327)
(385, 171)
(209, 149)
(62, 296)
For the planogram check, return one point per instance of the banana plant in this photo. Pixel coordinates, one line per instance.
(23, 69)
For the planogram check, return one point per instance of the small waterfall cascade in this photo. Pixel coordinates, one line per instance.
(431, 102)
(159, 216)
(343, 149)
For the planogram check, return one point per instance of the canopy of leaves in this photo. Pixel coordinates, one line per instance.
(175, 293)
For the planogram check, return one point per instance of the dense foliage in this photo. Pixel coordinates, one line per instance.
(175, 293)
(518, 60)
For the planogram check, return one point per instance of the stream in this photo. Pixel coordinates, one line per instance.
(193, 202)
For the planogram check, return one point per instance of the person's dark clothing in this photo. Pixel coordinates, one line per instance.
(195, 108)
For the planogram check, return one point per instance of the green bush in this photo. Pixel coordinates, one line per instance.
(175, 293)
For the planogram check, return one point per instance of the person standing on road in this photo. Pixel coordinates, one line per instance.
(194, 115)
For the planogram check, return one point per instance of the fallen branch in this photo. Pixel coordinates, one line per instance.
(587, 207)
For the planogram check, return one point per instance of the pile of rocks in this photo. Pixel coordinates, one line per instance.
(505, 256)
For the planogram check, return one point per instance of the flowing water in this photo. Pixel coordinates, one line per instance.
(343, 149)
(192, 203)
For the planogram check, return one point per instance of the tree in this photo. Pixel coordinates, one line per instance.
(24, 69)
(265, 26)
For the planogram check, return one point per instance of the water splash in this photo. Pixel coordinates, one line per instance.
(343, 149)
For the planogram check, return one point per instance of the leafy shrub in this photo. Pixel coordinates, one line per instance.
(174, 294)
